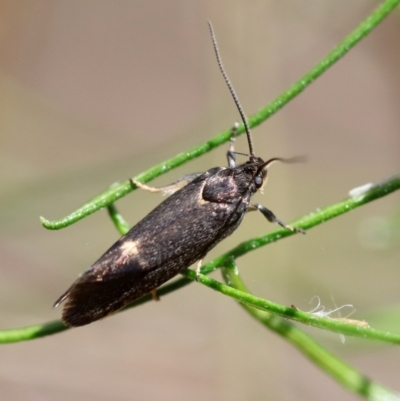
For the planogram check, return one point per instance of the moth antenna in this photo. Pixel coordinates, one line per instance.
(296, 159)
(231, 90)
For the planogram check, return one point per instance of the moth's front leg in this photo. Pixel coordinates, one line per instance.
(272, 218)
(169, 189)
(230, 154)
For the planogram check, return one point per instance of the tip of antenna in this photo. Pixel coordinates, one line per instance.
(231, 90)
(296, 159)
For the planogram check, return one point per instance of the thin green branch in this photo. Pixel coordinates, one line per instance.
(360, 196)
(326, 323)
(116, 192)
(31, 332)
(343, 373)
(120, 223)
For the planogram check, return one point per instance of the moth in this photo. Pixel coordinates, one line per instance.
(202, 210)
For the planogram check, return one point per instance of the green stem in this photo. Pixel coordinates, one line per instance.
(326, 323)
(343, 373)
(116, 192)
(363, 195)
(120, 223)
(360, 197)
(31, 332)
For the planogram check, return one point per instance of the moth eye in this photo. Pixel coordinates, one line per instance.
(258, 181)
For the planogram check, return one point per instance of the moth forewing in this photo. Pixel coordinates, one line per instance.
(202, 210)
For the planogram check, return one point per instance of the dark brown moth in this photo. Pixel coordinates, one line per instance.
(202, 210)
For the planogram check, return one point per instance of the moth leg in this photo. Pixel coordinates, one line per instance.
(231, 151)
(198, 267)
(272, 218)
(154, 295)
(144, 186)
(169, 189)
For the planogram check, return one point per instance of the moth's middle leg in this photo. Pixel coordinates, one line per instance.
(198, 269)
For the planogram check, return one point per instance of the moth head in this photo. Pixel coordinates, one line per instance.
(260, 176)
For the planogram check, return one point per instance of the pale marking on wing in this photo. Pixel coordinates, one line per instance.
(129, 248)
(200, 199)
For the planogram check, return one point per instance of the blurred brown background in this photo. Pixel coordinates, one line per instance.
(97, 91)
